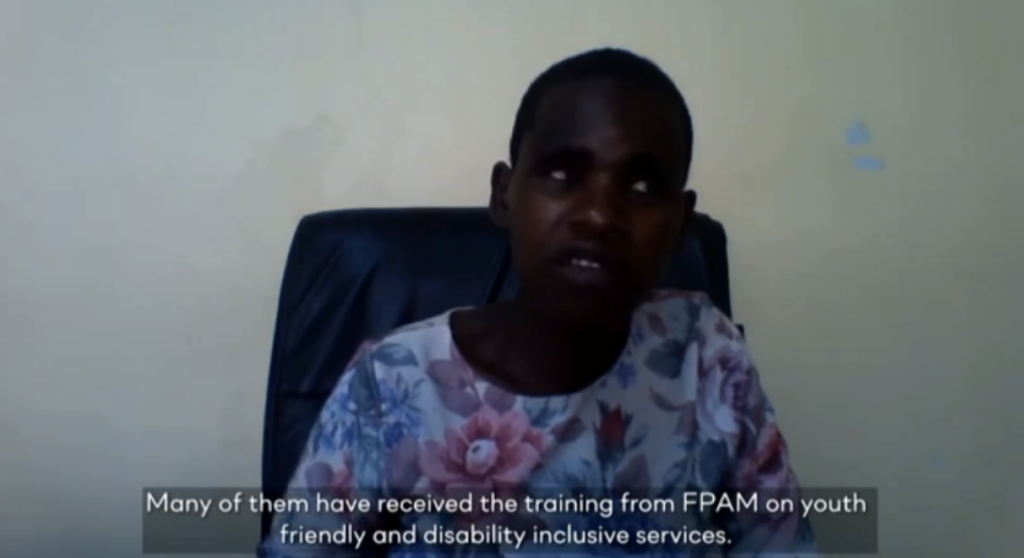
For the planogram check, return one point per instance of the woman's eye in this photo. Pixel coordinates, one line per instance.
(642, 187)
(558, 174)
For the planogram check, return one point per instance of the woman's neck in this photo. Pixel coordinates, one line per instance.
(533, 353)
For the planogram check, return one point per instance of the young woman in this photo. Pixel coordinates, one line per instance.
(589, 398)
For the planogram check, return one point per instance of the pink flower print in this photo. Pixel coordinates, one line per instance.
(611, 433)
(767, 469)
(538, 439)
(768, 466)
(335, 481)
(722, 397)
(489, 452)
(612, 430)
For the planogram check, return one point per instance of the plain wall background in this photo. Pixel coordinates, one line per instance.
(155, 157)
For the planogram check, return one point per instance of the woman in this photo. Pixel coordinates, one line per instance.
(562, 417)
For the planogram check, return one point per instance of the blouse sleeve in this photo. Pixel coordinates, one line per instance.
(760, 458)
(338, 480)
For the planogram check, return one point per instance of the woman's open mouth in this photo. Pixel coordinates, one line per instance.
(588, 269)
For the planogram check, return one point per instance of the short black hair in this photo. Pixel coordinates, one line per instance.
(614, 64)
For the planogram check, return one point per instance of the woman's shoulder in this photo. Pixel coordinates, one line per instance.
(410, 346)
(676, 331)
(686, 314)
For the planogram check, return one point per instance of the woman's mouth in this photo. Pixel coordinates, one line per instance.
(584, 263)
(588, 269)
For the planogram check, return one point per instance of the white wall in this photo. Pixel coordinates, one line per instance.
(155, 156)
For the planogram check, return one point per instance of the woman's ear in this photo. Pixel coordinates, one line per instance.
(501, 179)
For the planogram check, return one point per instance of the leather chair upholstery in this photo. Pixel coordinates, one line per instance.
(352, 275)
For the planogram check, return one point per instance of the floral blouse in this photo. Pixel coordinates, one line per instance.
(681, 416)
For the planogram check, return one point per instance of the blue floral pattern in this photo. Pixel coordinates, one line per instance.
(682, 410)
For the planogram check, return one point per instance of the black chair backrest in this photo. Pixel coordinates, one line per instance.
(353, 275)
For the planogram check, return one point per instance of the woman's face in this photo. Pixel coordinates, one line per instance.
(597, 199)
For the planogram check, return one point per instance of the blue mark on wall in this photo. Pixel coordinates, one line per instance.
(857, 134)
(868, 163)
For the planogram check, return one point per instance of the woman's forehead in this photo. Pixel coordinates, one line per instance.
(596, 114)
